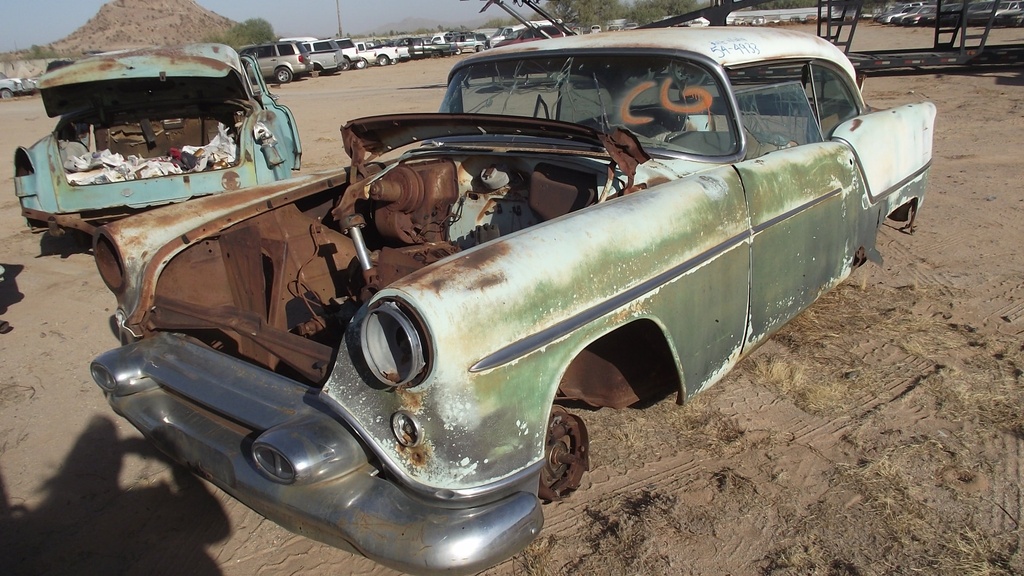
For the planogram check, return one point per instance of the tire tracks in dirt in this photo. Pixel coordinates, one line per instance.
(817, 442)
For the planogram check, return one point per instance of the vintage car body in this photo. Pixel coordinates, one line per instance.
(372, 355)
(145, 104)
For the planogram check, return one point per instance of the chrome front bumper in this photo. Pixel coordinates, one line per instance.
(205, 409)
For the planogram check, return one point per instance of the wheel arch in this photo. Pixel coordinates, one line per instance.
(630, 364)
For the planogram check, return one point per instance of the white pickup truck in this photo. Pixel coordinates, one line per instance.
(363, 54)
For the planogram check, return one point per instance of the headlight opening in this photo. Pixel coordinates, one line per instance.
(393, 343)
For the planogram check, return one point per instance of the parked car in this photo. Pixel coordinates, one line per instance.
(898, 19)
(924, 15)
(979, 13)
(11, 87)
(468, 42)
(948, 16)
(147, 127)
(377, 356)
(507, 32)
(422, 48)
(401, 50)
(326, 55)
(887, 16)
(370, 53)
(1009, 13)
(348, 52)
(281, 61)
(1011, 16)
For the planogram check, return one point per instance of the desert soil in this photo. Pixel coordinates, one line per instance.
(881, 433)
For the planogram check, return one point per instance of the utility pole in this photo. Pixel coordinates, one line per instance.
(337, 6)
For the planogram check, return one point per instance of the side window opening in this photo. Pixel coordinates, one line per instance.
(777, 106)
(776, 116)
(252, 75)
(832, 97)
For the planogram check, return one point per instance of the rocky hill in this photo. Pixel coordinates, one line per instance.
(135, 23)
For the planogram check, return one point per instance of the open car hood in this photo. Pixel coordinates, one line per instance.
(372, 136)
(144, 77)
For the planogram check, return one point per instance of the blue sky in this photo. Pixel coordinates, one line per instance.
(28, 22)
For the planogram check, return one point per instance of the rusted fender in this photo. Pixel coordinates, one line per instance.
(144, 243)
(549, 291)
(889, 163)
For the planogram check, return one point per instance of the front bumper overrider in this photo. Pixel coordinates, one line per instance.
(206, 410)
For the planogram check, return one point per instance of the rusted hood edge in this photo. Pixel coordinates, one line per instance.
(202, 217)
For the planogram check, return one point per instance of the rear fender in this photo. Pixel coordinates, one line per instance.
(894, 149)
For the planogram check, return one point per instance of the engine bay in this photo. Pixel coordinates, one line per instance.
(279, 289)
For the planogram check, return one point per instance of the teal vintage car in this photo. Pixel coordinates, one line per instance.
(143, 128)
(376, 356)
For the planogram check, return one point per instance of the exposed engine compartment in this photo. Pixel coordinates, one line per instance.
(280, 288)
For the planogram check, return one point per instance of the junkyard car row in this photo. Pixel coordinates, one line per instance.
(11, 87)
(999, 13)
(376, 354)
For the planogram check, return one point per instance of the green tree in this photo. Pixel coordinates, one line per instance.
(646, 11)
(40, 52)
(586, 12)
(252, 31)
(500, 22)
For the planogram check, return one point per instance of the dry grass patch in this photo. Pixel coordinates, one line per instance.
(897, 513)
(701, 425)
(986, 389)
(821, 393)
(630, 536)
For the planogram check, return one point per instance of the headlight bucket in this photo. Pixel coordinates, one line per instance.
(394, 344)
(109, 263)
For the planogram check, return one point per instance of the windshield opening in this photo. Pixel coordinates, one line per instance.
(668, 103)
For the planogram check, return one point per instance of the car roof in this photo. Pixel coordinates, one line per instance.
(728, 46)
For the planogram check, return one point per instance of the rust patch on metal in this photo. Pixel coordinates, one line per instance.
(417, 456)
(626, 152)
(566, 455)
(492, 279)
(470, 261)
(411, 401)
(656, 180)
(230, 181)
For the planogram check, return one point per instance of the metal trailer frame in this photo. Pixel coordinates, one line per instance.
(954, 45)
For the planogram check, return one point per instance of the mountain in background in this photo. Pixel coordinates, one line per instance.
(121, 24)
(135, 23)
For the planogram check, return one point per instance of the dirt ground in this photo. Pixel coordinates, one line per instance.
(881, 433)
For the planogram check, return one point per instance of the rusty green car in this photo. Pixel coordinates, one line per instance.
(375, 356)
(147, 127)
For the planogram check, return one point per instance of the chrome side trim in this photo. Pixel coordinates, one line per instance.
(875, 198)
(899, 185)
(538, 340)
(790, 213)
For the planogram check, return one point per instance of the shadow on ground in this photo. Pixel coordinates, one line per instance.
(88, 524)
